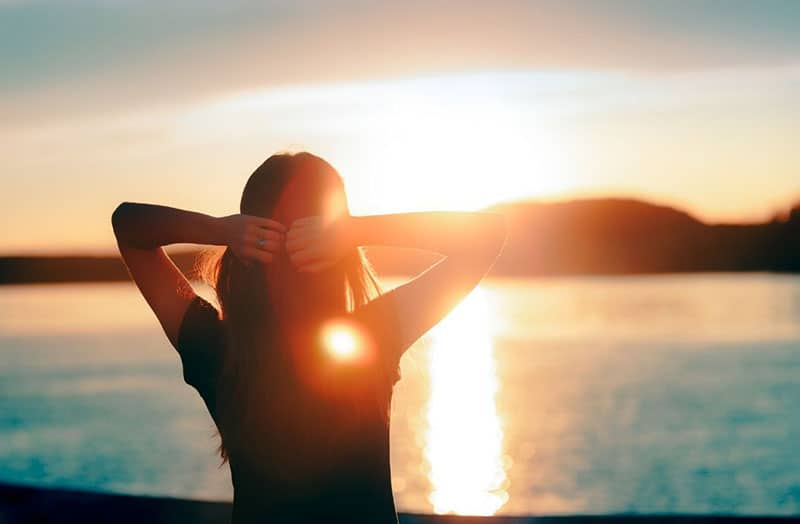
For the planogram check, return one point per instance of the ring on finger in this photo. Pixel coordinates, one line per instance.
(262, 243)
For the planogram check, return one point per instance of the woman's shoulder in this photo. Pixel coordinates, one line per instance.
(201, 318)
(200, 341)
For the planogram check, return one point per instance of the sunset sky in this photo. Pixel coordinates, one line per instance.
(419, 104)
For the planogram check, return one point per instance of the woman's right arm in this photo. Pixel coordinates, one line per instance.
(142, 230)
(469, 242)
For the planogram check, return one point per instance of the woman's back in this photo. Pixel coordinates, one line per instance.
(306, 450)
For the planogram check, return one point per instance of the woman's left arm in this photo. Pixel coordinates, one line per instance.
(142, 230)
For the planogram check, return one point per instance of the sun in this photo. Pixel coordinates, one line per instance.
(462, 150)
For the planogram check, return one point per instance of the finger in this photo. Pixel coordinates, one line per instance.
(255, 229)
(298, 238)
(270, 243)
(295, 244)
(268, 234)
(269, 246)
(259, 255)
(294, 234)
(268, 223)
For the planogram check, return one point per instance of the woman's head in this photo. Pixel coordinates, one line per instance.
(269, 309)
(284, 188)
(290, 186)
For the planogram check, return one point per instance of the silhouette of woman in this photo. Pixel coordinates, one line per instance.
(297, 366)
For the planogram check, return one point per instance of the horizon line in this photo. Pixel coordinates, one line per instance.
(769, 217)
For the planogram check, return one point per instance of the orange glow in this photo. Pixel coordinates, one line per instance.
(453, 141)
(343, 342)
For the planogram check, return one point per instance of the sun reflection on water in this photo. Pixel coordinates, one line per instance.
(464, 444)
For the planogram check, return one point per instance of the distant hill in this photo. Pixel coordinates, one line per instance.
(590, 236)
(617, 236)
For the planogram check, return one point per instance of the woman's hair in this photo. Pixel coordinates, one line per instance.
(269, 310)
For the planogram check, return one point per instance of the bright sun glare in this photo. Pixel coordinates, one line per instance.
(458, 143)
(445, 147)
(341, 341)
(465, 436)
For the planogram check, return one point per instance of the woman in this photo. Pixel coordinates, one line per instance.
(297, 367)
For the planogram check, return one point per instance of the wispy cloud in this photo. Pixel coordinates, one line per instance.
(84, 56)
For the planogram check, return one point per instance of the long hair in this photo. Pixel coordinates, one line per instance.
(268, 310)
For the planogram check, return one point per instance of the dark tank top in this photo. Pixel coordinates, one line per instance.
(327, 460)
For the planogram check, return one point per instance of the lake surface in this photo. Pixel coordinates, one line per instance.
(575, 395)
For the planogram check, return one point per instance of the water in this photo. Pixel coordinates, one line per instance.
(580, 395)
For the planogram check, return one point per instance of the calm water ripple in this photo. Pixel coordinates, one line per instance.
(588, 395)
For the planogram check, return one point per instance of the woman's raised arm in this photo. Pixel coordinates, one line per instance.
(142, 230)
(469, 242)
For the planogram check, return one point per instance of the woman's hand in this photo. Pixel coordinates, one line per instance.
(253, 238)
(314, 245)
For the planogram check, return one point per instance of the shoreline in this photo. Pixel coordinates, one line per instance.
(28, 504)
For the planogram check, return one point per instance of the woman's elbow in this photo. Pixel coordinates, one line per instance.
(121, 218)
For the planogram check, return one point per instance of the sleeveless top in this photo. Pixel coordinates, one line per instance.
(326, 460)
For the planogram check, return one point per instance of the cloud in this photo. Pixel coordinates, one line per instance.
(71, 58)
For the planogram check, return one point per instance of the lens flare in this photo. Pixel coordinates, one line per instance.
(341, 343)
(344, 342)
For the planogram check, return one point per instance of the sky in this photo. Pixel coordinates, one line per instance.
(419, 105)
